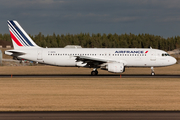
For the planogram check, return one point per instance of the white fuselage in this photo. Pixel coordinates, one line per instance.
(112, 59)
(130, 57)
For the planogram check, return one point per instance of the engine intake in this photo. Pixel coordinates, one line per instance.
(115, 67)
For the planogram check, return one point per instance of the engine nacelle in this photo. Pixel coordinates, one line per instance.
(81, 64)
(115, 67)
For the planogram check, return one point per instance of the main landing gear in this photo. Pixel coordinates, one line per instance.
(94, 72)
(152, 71)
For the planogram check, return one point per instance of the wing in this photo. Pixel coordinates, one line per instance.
(92, 62)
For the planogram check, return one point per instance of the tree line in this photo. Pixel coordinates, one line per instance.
(98, 40)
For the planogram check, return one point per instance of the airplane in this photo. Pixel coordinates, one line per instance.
(114, 60)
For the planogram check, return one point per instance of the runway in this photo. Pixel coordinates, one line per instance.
(89, 76)
(92, 115)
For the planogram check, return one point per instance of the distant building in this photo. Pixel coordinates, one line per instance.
(176, 51)
(5, 44)
(8, 46)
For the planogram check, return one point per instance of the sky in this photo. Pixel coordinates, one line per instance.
(156, 17)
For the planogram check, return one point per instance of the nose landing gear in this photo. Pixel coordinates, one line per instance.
(152, 71)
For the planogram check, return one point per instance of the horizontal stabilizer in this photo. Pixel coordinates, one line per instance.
(14, 52)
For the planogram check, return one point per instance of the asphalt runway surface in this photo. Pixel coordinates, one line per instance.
(89, 76)
(92, 115)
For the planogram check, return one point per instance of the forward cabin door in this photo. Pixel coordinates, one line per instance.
(153, 56)
(39, 55)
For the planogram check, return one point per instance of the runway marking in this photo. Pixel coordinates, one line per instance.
(88, 76)
(97, 115)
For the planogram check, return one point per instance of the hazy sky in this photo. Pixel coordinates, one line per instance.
(158, 17)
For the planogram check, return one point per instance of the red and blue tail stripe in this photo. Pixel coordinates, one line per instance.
(18, 35)
(15, 40)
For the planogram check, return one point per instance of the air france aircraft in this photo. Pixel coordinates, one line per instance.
(111, 59)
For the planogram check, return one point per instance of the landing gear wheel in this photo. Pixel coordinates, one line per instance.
(94, 73)
(152, 73)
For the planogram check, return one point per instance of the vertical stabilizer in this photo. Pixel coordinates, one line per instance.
(20, 38)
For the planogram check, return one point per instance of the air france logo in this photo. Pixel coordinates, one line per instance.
(131, 52)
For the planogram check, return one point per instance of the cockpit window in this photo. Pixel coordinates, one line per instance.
(165, 54)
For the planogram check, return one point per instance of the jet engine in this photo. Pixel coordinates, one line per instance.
(115, 67)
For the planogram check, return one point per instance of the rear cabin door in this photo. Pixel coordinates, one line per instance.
(39, 55)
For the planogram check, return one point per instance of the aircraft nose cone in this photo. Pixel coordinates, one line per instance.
(173, 61)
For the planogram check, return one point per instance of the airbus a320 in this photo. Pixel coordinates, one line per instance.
(114, 60)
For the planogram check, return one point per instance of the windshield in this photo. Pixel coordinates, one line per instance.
(165, 54)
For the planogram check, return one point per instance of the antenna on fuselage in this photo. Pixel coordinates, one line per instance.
(150, 47)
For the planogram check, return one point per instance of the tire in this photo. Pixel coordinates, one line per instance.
(152, 73)
(94, 73)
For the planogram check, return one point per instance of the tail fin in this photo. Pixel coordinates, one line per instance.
(20, 38)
